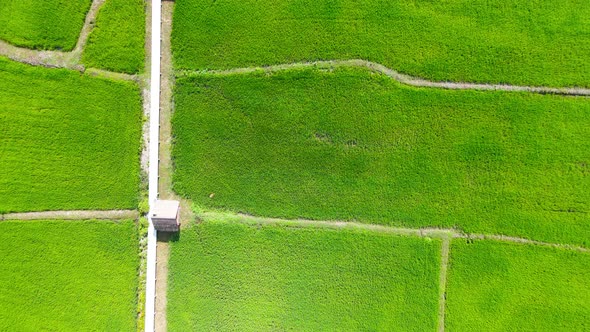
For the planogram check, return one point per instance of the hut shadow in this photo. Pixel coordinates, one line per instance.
(168, 236)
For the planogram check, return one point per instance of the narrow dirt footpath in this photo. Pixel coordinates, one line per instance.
(73, 215)
(402, 78)
(442, 283)
(440, 233)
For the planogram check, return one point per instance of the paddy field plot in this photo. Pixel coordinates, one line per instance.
(495, 286)
(500, 41)
(353, 145)
(68, 275)
(117, 40)
(67, 141)
(231, 276)
(47, 24)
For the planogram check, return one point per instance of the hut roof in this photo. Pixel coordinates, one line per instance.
(165, 209)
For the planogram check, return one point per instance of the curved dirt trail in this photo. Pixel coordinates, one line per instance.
(402, 78)
(60, 59)
(73, 215)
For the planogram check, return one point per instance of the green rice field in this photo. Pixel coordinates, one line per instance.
(117, 41)
(67, 141)
(495, 286)
(541, 42)
(46, 24)
(68, 275)
(230, 276)
(353, 145)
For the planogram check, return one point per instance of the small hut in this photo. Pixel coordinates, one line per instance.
(165, 216)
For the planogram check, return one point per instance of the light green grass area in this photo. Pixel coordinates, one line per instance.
(46, 24)
(542, 42)
(118, 39)
(67, 141)
(230, 276)
(68, 275)
(352, 145)
(495, 286)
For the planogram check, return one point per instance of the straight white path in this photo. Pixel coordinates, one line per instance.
(150, 287)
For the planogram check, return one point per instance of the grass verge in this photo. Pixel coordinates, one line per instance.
(353, 145)
(117, 41)
(67, 141)
(68, 275)
(232, 276)
(512, 287)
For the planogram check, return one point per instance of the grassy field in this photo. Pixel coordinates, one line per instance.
(67, 141)
(68, 276)
(47, 24)
(230, 276)
(540, 42)
(117, 41)
(353, 145)
(510, 287)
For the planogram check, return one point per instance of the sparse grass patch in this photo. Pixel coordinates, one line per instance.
(47, 24)
(543, 42)
(67, 141)
(230, 276)
(118, 39)
(496, 286)
(352, 145)
(68, 275)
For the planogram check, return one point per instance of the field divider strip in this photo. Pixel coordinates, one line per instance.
(402, 78)
(442, 283)
(72, 215)
(429, 232)
(89, 23)
(513, 239)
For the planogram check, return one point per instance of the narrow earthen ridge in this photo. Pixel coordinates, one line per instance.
(73, 215)
(88, 26)
(442, 284)
(505, 238)
(440, 233)
(402, 78)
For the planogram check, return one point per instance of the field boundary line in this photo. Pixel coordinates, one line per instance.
(89, 23)
(72, 215)
(442, 282)
(60, 59)
(402, 78)
(514, 239)
(430, 232)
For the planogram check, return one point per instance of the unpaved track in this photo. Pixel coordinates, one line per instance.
(165, 165)
(430, 232)
(73, 215)
(402, 78)
(442, 282)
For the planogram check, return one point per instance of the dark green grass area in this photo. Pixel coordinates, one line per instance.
(117, 42)
(542, 42)
(68, 275)
(353, 145)
(495, 286)
(67, 141)
(230, 276)
(45, 24)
